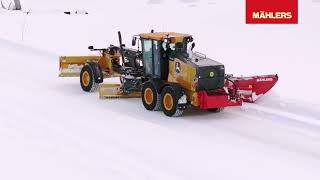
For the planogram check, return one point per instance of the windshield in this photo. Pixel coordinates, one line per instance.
(176, 49)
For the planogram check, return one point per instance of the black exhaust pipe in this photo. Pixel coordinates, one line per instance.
(121, 47)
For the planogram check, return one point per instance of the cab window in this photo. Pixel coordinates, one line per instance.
(147, 56)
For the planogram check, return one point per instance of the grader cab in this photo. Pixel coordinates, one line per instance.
(166, 73)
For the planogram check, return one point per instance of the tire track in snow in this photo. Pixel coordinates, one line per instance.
(284, 114)
(277, 129)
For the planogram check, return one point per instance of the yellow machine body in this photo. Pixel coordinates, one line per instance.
(70, 66)
(173, 36)
(185, 78)
(187, 75)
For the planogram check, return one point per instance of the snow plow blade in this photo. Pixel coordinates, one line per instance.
(70, 66)
(251, 88)
(114, 91)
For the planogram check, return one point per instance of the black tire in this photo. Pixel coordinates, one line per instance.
(87, 79)
(171, 94)
(150, 98)
(215, 110)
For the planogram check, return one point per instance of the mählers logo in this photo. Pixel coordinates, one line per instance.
(272, 11)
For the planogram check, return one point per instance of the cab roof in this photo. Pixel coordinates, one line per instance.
(164, 35)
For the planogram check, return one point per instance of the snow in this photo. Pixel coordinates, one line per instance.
(50, 129)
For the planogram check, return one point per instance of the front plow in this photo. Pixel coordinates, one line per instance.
(251, 88)
(70, 66)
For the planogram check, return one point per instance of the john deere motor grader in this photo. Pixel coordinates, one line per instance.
(165, 73)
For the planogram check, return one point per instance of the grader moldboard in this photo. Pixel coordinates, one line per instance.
(166, 74)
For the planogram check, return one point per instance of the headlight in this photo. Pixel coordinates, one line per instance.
(211, 74)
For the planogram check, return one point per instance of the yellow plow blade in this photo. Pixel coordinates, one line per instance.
(114, 91)
(70, 66)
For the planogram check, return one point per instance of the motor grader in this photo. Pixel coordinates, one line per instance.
(166, 73)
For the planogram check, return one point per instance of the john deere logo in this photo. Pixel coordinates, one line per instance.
(178, 67)
(211, 74)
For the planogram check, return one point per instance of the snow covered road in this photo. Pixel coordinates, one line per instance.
(50, 129)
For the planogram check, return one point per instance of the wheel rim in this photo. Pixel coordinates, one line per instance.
(148, 96)
(85, 78)
(168, 101)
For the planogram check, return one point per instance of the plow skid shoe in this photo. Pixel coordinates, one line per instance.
(251, 88)
(114, 91)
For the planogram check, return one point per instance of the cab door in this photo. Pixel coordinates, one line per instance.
(151, 57)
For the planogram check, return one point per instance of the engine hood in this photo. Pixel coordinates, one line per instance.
(209, 73)
(204, 61)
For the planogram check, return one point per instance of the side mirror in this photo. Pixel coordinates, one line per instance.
(134, 41)
(90, 47)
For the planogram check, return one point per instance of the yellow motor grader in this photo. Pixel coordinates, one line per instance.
(165, 73)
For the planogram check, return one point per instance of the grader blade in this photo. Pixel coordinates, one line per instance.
(70, 66)
(114, 91)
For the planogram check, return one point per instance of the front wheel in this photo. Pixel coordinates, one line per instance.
(87, 81)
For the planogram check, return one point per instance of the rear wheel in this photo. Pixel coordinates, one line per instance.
(169, 101)
(87, 81)
(150, 98)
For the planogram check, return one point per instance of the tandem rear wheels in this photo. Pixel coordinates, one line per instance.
(90, 77)
(172, 100)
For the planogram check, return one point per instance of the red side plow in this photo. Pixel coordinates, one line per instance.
(251, 88)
